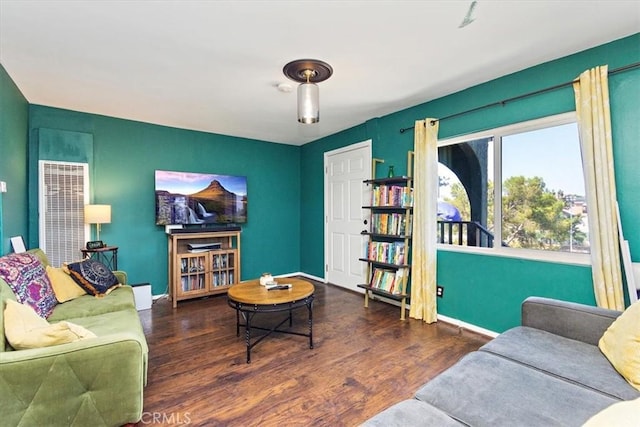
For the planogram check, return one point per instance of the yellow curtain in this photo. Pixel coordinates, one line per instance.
(425, 187)
(594, 122)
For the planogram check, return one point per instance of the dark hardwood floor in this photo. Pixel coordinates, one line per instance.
(363, 361)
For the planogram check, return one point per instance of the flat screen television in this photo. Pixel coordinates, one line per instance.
(198, 198)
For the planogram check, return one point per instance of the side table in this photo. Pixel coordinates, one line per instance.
(107, 255)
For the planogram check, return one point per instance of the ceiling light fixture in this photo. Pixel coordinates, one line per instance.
(308, 72)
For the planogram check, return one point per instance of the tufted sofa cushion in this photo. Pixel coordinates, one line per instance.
(96, 382)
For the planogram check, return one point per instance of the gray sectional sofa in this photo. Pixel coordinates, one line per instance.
(547, 372)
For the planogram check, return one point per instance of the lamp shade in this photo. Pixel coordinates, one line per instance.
(97, 214)
(308, 103)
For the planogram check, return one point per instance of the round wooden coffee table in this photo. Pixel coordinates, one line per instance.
(250, 298)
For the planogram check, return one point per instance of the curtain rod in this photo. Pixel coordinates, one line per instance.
(526, 95)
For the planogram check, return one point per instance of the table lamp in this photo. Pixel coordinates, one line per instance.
(97, 214)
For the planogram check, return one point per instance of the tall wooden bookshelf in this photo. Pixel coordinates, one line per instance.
(388, 254)
(202, 263)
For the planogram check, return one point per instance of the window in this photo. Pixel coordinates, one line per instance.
(517, 190)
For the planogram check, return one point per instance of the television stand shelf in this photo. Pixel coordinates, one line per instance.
(202, 264)
(205, 229)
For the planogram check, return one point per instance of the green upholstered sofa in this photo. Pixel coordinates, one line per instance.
(97, 382)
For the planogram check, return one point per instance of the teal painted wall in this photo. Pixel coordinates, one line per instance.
(285, 230)
(488, 291)
(127, 153)
(14, 118)
(54, 145)
(624, 89)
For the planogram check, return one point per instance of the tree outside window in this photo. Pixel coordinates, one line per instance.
(541, 192)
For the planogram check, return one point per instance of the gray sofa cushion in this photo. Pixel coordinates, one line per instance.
(483, 389)
(571, 360)
(568, 319)
(411, 413)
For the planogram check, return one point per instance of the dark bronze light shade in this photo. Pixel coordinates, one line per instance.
(308, 72)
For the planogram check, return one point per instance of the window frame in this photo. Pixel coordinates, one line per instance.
(497, 134)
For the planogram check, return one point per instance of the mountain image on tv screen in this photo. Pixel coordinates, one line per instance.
(197, 198)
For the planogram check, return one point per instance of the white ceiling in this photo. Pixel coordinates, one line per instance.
(214, 65)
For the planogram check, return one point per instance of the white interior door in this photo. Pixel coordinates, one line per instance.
(345, 194)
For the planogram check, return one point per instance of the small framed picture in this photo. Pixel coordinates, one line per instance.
(18, 244)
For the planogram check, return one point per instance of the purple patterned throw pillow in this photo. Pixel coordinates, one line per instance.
(27, 278)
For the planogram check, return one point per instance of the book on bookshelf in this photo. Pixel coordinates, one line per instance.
(395, 224)
(387, 280)
(387, 252)
(399, 281)
(393, 195)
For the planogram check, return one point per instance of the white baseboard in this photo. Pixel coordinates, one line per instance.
(450, 320)
(467, 326)
(299, 273)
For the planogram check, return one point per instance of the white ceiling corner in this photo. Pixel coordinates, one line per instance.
(214, 66)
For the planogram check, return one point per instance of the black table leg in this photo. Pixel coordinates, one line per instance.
(237, 322)
(310, 307)
(248, 335)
